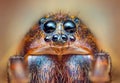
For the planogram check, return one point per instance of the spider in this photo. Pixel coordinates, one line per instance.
(59, 49)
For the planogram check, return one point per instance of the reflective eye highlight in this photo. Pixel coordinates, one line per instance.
(49, 26)
(69, 26)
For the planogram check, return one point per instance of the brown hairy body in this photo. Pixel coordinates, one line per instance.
(60, 61)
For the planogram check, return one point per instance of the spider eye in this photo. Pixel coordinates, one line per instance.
(49, 26)
(69, 26)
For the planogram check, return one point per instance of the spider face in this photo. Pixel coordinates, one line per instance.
(59, 34)
(59, 31)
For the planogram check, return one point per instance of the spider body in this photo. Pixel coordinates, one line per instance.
(60, 49)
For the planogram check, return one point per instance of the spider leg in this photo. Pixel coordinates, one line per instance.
(42, 69)
(101, 69)
(17, 70)
(77, 68)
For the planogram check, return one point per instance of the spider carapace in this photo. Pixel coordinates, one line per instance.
(59, 49)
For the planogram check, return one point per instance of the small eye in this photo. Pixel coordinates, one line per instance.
(69, 26)
(49, 26)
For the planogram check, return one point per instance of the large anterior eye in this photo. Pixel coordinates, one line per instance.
(69, 26)
(49, 26)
